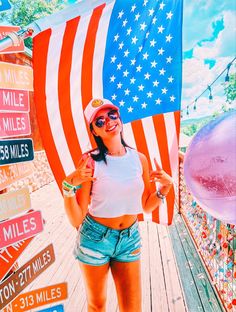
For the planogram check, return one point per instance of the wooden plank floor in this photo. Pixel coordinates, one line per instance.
(161, 287)
(199, 293)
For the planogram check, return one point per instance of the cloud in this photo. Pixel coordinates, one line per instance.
(226, 42)
(196, 77)
(212, 50)
(223, 45)
(199, 18)
(204, 108)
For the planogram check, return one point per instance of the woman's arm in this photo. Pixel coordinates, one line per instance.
(76, 206)
(150, 200)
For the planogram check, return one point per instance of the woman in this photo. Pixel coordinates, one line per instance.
(112, 186)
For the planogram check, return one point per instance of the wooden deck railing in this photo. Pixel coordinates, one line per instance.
(215, 242)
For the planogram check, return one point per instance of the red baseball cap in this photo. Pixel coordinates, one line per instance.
(95, 105)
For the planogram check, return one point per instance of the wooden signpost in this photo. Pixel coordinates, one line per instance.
(18, 281)
(12, 173)
(14, 124)
(9, 255)
(15, 151)
(13, 203)
(17, 229)
(4, 5)
(16, 77)
(58, 308)
(40, 297)
(14, 100)
(4, 32)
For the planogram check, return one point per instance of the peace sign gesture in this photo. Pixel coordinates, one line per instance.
(159, 175)
(84, 171)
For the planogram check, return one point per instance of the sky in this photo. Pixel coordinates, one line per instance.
(208, 47)
(209, 44)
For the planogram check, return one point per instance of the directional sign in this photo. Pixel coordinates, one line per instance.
(14, 124)
(17, 77)
(18, 46)
(12, 286)
(40, 297)
(14, 100)
(58, 308)
(9, 255)
(15, 151)
(16, 229)
(11, 173)
(13, 203)
(4, 5)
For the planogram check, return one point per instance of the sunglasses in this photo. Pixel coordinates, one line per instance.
(100, 121)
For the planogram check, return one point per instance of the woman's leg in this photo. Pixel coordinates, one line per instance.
(96, 285)
(127, 277)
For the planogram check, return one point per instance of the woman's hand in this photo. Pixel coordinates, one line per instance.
(159, 175)
(83, 173)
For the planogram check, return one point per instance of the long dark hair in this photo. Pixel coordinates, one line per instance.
(99, 153)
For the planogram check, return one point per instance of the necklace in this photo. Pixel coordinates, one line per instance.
(117, 153)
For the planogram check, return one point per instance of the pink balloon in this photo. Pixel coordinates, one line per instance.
(210, 168)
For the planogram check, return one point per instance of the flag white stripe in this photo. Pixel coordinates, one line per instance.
(151, 140)
(75, 84)
(128, 135)
(53, 59)
(99, 51)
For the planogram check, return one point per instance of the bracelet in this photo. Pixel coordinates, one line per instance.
(70, 193)
(70, 186)
(161, 196)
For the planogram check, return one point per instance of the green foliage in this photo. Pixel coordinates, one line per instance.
(230, 89)
(25, 12)
(192, 128)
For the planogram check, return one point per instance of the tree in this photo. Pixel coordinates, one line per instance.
(230, 89)
(194, 127)
(25, 12)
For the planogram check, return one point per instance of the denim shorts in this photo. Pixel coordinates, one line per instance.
(97, 244)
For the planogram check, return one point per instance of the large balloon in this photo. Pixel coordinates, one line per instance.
(210, 167)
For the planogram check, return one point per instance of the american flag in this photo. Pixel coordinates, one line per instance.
(126, 51)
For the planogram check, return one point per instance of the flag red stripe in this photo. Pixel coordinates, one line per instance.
(64, 89)
(41, 44)
(160, 129)
(87, 63)
(161, 135)
(141, 145)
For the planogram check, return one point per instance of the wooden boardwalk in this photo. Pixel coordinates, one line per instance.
(161, 286)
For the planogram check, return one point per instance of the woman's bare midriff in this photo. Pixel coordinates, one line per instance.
(118, 223)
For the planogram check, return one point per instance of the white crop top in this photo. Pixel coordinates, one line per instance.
(119, 186)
